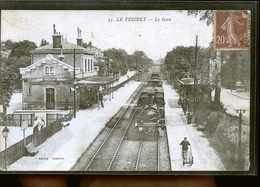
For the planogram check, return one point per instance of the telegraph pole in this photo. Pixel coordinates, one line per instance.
(195, 76)
(74, 82)
(195, 79)
(239, 147)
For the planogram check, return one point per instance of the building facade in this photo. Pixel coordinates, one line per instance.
(48, 85)
(63, 76)
(49, 82)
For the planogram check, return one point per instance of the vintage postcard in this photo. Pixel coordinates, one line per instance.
(127, 91)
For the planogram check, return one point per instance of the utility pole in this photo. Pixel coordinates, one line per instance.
(108, 67)
(74, 82)
(239, 147)
(195, 75)
(195, 79)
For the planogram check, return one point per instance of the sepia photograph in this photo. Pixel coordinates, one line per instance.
(127, 91)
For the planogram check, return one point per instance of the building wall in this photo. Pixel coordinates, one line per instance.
(37, 81)
(79, 62)
(68, 58)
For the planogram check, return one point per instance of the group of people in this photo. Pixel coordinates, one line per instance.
(38, 124)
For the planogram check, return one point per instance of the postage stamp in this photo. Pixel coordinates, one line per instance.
(231, 31)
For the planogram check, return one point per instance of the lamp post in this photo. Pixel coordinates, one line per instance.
(239, 149)
(5, 135)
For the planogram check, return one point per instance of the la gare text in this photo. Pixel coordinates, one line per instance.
(137, 19)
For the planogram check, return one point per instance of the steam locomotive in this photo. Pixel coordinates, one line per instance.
(150, 107)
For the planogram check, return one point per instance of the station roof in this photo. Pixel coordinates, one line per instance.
(98, 81)
(67, 47)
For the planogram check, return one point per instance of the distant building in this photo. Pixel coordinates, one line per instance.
(49, 82)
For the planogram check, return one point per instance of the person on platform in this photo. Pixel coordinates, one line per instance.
(189, 117)
(101, 99)
(43, 124)
(36, 125)
(184, 146)
(65, 123)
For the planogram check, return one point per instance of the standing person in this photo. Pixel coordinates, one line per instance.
(185, 146)
(36, 125)
(43, 124)
(101, 99)
(184, 108)
(189, 116)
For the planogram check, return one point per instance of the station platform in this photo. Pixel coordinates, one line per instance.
(61, 151)
(204, 156)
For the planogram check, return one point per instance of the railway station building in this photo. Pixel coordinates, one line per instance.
(58, 70)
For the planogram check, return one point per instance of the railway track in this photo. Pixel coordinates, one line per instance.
(117, 148)
(109, 140)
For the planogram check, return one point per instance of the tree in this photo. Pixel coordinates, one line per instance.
(20, 57)
(8, 44)
(7, 79)
(205, 15)
(236, 67)
(118, 61)
(44, 42)
(141, 60)
(22, 48)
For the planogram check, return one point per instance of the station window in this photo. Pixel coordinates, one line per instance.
(88, 65)
(29, 90)
(52, 70)
(49, 70)
(86, 69)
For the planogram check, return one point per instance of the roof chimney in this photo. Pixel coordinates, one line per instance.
(56, 38)
(79, 39)
(61, 56)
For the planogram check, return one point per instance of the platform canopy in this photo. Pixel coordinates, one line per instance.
(188, 81)
(97, 81)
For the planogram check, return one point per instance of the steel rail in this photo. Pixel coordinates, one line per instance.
(121, 141)
(138, 156)
(110, 132)
(158, 154)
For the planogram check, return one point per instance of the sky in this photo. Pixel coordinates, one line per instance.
(153, 32)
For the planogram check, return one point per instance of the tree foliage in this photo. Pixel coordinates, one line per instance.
(8, 79)
(22, 48)
(121, 61)
(235, 67)
(180, 62)
(43, 42)
(205, 15)
(8, 45)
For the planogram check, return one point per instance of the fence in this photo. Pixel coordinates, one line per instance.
(17, 151)
(16, 118)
